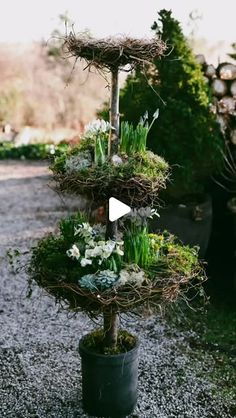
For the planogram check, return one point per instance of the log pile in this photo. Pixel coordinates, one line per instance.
(222, 83)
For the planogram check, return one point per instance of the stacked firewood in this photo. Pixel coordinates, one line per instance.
(222, 82)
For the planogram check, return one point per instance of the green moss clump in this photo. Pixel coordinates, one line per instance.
(181, 258)
(142, 163)
(95, 342)
(137, 180)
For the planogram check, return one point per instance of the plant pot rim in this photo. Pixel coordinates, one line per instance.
(84, 350)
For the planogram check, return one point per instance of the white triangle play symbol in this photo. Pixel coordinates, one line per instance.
(117, 209)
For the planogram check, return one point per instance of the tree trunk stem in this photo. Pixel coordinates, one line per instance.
(111, 323)
(114, 113)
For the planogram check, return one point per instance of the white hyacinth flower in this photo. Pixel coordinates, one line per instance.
(73, 252)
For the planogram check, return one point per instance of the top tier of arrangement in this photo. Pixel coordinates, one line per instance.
(114, 53)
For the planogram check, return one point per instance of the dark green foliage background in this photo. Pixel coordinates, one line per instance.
(186, 133)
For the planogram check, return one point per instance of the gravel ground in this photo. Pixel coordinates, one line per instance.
(39, 364)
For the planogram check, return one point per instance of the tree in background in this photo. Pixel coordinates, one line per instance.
(186, 133)
(39, 88)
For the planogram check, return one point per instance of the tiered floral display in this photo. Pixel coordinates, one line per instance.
(113, 268)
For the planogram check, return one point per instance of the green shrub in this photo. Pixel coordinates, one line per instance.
(186, 134)
(31, 152)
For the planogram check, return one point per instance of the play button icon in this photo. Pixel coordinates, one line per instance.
(117, 209)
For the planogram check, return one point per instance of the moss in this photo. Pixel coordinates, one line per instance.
(174, 256)
(181, 258)
(137, 181)
(95, 342)
(145, 163)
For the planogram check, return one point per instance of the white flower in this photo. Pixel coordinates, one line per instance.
(73, 252)
(116, 160)
(85, 261)
(101, 242)
(93, 252)
(156, 114)
(141, 214)
(90, 244)
(133, 277)
(97, 126)
(119, 251)
(108, 248)
(84, 231)
(123, 277)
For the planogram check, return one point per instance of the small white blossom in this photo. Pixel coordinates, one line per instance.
(85, 261)
(93, 252)
(133, 277)
(156, 114)
(97, 126)
(108, 248)
(119, 251)
(123, 277)
(139, 215)
(73, 252)
(84, 231)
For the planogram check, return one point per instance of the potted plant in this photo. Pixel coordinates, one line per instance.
(112, 269)
(186, 135)
(86, 272)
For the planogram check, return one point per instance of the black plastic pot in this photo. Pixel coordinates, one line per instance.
(190, 221)
(109, 382)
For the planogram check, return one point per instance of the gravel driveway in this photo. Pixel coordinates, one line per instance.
(39, 365)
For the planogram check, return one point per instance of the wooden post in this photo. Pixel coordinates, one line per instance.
(114, 113)
(110, 318)
(114, 137)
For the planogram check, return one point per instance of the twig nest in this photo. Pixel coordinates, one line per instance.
(86, 272)
(136, 180)
(114, 53)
